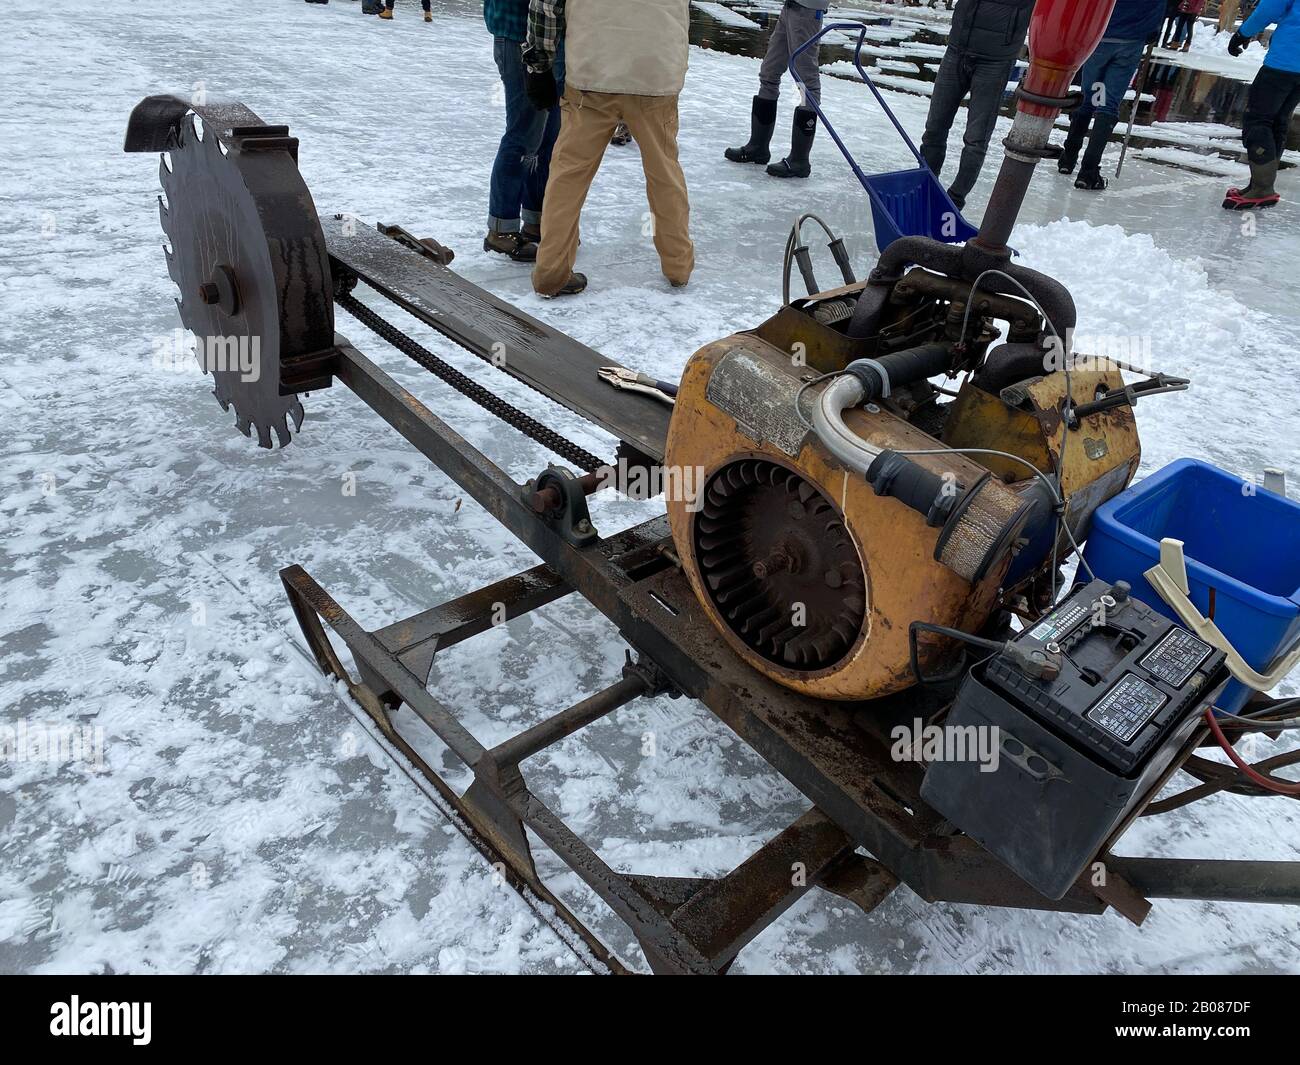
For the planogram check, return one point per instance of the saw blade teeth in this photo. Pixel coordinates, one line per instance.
(282, 430)
(296, 413)
(263, 435)
(243, 424)
(173, 268)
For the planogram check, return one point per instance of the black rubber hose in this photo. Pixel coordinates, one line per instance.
(926, 492)
(1008, 364)
(900, 368)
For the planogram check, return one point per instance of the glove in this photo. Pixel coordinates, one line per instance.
(1237, 44)
(541, 89)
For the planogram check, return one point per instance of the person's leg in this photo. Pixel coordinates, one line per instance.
(801, 25)
(808, 66)
(950, 85)
(653, 122)
(517, 152)
(1282, 121)
(1091, 90)
(773, 67)
(538, 169)
(1228, 15)
(536, 176)
(1118, 71)
(586, 123)
(988, 83)
(762, 108)
(1269, 94)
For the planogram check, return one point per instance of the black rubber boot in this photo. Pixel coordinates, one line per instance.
(1073, 142)
(1090, 166)
(796, 165)
(762, 121)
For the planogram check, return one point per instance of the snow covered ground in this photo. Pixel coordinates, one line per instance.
(242, 818)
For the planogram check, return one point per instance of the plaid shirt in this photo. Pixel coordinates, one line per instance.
(545, 32)
(506, 18)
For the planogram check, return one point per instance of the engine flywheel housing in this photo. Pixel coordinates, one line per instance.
(780, 567)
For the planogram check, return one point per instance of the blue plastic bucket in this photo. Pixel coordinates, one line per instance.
(1242, 546)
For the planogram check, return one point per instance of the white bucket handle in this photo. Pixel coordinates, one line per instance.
(1169, 578)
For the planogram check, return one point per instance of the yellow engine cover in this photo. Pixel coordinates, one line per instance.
(735, 431)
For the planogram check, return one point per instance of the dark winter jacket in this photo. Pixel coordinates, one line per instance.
(1134, 20)
(506, 18)
(992, 28)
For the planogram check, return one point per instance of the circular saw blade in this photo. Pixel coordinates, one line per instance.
(248, 256)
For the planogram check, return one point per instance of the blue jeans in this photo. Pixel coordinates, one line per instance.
(986, 80)
(523, 159)
(1105, 76)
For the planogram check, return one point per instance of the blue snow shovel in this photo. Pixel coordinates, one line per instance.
(904, 203)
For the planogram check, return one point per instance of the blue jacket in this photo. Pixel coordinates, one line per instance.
(1135, 20)
(1284, 51)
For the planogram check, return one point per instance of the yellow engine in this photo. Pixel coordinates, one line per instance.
(812, 572)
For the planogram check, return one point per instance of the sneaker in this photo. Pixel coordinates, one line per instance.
(512, 245)
(576, 283)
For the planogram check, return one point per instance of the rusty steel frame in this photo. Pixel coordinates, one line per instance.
(834, 754)
(867, 829)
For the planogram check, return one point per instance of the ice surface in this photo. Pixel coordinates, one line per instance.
(725, 15)
(244, 819)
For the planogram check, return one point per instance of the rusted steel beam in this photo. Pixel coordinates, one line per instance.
(727, 913)
(1219, 880)
(568, 721)
(417, 639)
(398, 679)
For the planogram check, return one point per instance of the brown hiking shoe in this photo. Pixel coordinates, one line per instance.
(576, 283)
(513, 245)
(531, 231)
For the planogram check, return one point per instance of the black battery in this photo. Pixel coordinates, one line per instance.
(1089, 706)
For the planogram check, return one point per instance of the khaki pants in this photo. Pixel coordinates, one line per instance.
(586, 124)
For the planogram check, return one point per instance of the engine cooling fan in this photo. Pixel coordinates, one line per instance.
(779, 565)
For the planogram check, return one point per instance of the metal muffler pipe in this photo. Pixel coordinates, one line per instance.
(978, 526)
